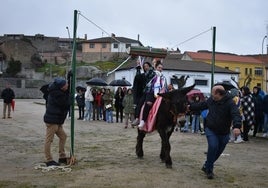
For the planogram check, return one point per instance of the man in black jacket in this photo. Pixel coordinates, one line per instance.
(58, 104)
(7, 95)
(139, 84)
(222, 113)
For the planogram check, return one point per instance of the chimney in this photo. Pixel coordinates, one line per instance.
(113, 35)
(138, 37)
(85, 36)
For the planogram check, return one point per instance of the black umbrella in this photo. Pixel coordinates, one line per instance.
(44, 88)
(78, 88)
(97, 82)
(226, 85)
(120, 82)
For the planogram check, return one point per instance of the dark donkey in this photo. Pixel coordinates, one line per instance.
(172, 104)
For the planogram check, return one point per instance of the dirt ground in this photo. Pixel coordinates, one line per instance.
(106, 157)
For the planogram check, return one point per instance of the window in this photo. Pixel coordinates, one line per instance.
(115, 45)
(258, 71)
(91, 45)
(226, 68)
(237, 69)
(104, 45)
(128, 45)
(201, 82)
(248, 71)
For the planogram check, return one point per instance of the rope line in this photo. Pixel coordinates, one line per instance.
(195, 36)
(119, 66)
(98, 26)
(44, 168)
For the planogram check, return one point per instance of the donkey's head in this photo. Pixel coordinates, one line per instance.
(178, 98)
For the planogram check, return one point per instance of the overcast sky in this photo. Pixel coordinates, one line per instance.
(240, 24)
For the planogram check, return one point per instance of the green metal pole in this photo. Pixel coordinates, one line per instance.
(213, 56)
(73, 82)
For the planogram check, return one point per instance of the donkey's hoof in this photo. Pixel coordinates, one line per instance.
(169, 166)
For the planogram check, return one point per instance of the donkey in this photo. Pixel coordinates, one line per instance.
(173, 103)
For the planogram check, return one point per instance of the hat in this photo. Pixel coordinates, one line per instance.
(60, 82)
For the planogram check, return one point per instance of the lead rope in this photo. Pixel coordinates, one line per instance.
(45, 168)
(67, 168)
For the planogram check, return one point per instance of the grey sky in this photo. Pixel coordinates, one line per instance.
(241, 24)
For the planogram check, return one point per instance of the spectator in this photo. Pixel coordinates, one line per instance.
(248, 108)
(128, 107)
(8, 96)
(88, 102)
(119, 96)
(196, 116)
(265, 112)
(80, 100)
(258, 110)
(108, 105)
(98, 104)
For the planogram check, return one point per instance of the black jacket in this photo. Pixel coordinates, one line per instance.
(58, 104)
(7, 94)
(221, 114)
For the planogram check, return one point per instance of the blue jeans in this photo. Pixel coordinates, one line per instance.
(216, 145)
(109, 116)
(88, 110)
(195, 123)
(187, 123)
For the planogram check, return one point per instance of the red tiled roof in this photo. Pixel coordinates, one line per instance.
(222, 57)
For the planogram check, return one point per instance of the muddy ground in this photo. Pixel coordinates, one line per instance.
(106, 157)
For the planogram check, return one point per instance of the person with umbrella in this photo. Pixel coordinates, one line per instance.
(108, 105)
(8, 96)
(80, 100)
(119, 96)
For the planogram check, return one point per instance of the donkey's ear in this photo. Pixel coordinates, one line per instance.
(185, 90)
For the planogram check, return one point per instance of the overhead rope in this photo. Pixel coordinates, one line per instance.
(99, 27)
(195, 36)
(119, 66)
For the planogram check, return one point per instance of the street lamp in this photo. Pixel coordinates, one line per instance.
(70, 47)
(262, 43)
(262, 56)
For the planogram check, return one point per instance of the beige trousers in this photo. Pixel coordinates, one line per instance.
(53, 129)
(6, 107)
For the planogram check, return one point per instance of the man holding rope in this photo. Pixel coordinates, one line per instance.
(58, 104)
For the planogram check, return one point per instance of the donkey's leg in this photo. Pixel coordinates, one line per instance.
(139, 145)
(165, 148)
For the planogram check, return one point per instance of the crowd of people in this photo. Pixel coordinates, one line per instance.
(253, 107)
(100, 104)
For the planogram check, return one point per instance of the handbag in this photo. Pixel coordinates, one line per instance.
(108, 106)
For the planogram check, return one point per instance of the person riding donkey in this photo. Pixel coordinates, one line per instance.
(157, 85)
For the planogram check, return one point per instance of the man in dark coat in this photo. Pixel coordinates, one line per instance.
(58, 104)
(7, 95)
(222, 113)
(139, 84)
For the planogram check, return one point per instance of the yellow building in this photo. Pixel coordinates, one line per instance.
(252, 71)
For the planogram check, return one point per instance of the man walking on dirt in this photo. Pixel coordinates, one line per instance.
(222, 113)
